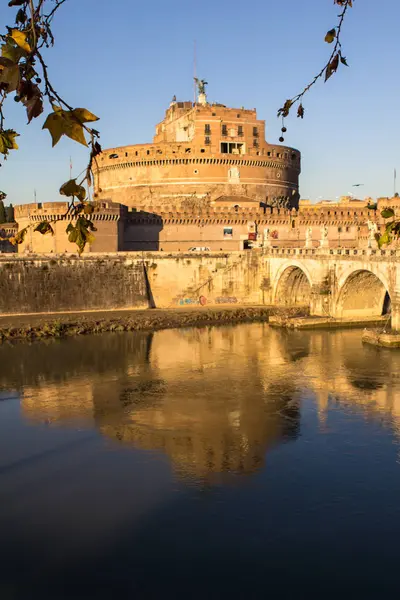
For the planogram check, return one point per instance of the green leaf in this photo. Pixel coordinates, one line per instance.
(11, 51)
(9, 74)
(330, 36)
(7, 141)
(72, 189)
(44, 227)
(89, 208)
(384, 239)
(80, 234)
(387, 213)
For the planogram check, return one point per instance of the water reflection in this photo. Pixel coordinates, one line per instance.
(213, 400)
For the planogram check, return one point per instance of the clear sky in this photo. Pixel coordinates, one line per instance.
(124, 60)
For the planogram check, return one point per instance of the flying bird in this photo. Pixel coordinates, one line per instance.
(357, 184)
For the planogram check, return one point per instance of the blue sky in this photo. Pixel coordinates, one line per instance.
(125, 60)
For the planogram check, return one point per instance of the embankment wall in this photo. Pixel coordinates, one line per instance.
(40, 284)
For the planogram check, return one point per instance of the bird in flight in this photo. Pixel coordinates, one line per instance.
(357, 184)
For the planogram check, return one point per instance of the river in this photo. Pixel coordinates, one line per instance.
(224, 462)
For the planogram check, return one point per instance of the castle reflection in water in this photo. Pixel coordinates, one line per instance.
(214, 400)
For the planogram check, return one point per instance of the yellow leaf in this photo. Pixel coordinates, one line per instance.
(55, 124)
(19, 38)
(330, 36)
(84, 115)
(9, 136)
(75, 132)
(62, 123)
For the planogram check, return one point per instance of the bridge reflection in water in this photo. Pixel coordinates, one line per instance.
(213, 400)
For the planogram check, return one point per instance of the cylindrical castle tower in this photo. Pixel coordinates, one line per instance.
(203, 152)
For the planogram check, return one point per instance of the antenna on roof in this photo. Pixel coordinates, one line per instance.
(194, 73)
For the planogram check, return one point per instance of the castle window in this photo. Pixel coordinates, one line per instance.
(268, 153)
(238, 116)
(202, 150)
(232, 148)
(148, 152)
(207, 129)
(113, 156)
(240, 130)
(293, 156)
(255, 143)
(196, 172)
(347, 229)
(224, 130)
(339, 230)
(207, 141)
(188, 150)
(126, 154)
(214, 114)
(255, 131)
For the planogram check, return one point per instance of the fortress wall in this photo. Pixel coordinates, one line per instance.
(150, 179)
(55, 284)
(117, 281)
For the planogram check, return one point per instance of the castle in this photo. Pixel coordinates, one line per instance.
(208, 180)
(202, 154)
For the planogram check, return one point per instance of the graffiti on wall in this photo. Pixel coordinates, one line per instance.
(192, 301)
(226, 300)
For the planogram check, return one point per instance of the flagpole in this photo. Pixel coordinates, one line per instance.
(394, 182)
(70, 167)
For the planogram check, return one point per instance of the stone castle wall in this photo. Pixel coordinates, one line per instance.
(220, 228)
(145, 176)
(227, 229)
(40, 285)
(45, 284)
(106, 218)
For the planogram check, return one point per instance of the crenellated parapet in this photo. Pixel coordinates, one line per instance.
(59, 211)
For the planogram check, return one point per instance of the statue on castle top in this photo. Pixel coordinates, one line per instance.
(201, 85)
(324, 232)
(308, 233)
(174, 98)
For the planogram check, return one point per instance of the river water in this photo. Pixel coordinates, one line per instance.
(231, 462)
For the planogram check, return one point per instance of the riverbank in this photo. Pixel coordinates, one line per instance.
(56, 325)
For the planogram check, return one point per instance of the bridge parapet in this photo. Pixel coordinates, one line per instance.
(339, 252)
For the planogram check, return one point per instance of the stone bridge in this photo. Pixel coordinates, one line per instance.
(339, 283)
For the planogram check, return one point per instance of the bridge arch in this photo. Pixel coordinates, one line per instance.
(363, 293)
(292, 286)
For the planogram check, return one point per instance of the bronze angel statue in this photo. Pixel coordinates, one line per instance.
(201, 85)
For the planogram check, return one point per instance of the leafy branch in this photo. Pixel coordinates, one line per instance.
(336, 58)
(24, 73)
